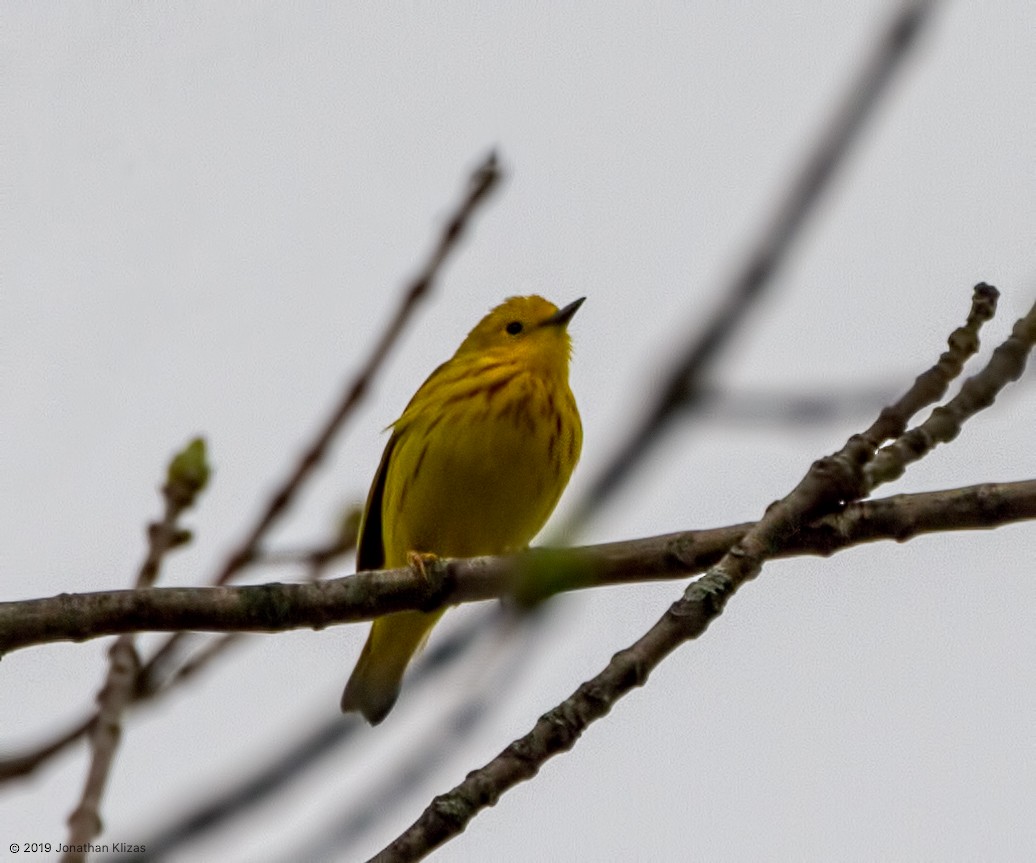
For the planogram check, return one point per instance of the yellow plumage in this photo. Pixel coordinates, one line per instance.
(475, 465)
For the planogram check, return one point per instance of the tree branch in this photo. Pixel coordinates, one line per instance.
(279, 607)
(187, 476)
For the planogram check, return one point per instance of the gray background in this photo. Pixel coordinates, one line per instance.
(209, 213)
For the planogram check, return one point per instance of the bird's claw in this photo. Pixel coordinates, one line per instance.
(420, 561)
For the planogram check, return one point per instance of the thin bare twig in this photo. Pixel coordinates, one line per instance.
(188, 473)
(25, 763)
(977, 393)
(316, 559)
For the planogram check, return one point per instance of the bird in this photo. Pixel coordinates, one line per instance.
(474, 466)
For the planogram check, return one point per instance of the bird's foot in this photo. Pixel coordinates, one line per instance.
(420, 561)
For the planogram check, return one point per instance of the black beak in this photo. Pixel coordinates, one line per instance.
(561, 317)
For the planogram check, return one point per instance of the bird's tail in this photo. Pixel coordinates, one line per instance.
(374, 684)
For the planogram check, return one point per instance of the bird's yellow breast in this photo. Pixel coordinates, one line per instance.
(483, 473)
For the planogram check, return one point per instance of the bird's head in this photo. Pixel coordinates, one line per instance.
(530, 329)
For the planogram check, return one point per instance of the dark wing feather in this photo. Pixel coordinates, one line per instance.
(370, 553)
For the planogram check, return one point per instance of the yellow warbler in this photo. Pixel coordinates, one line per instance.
(475, 465)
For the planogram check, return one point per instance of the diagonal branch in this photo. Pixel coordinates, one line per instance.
(481, 183)
(483, 180)
(687, 385)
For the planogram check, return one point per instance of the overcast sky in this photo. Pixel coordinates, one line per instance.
(210, 212)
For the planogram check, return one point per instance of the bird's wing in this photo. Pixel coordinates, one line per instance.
(371, 549)
(370, 553)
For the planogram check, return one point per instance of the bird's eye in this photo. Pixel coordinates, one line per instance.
(514, 327)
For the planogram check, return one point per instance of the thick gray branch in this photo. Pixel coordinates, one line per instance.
(279, 607)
